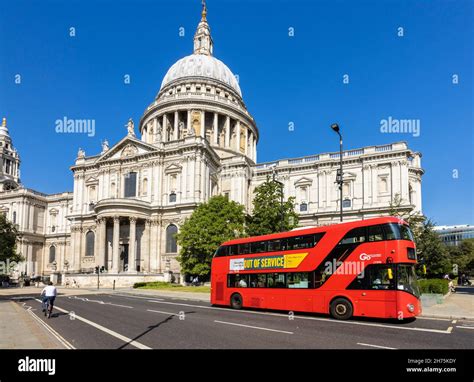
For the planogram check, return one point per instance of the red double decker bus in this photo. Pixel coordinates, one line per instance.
(363, 268)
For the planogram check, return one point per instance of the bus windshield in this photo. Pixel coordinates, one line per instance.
(407, 280)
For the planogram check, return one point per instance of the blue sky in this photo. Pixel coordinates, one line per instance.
(284, 79)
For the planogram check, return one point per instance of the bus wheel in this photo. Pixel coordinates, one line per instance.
(341, 309)
(236, 301)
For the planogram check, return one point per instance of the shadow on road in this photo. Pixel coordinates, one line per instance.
(150, 328)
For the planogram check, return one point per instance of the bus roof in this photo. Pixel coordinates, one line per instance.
(325, 228)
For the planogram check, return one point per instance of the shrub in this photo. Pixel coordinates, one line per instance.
(434, 286)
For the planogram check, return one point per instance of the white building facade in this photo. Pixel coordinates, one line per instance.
(195, 140)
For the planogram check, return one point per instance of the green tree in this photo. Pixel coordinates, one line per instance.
(462, 256)
(414, 219)
(430, 249)
(267, 211)
(210, 224)
(8, 237)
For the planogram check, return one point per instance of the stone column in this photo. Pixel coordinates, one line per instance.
(237, 136)
(115, 245)
(164, 129)
(216, 130)
(227, 132)
(102, 241)
(246, 141)
(155, 130)
(175, 132)
(145, 246)
(132, 263)
(188, 122)
(203, 124)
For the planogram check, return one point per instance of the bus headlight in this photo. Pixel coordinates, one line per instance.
(411, 308)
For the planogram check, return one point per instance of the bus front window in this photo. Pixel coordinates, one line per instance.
(406, 279)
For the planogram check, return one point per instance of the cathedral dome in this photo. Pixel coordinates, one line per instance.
(201, 65)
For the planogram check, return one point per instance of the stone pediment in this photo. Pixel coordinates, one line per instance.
(303, 182)
(173, 168)
(126, 148)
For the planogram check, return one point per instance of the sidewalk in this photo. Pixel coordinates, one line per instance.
(20, 330)
(458, 305)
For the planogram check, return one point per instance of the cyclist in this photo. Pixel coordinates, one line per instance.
(49, 293)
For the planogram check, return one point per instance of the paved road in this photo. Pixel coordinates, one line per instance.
(120, 321)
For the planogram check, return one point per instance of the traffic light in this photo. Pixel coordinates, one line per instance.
(97, 269)
(102, 269)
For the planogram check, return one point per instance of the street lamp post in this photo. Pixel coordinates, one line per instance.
(339, 177)
(282, 218)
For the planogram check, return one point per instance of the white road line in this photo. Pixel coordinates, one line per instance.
(252, 327)
(433, 318)
(310, 318)
(159, 311)
(375, 346)
(465, 327)
(450, 329)
(101, 302)
(105, 330)
(60, 338)
(454, 321)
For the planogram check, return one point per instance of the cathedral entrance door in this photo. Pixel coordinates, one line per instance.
(123, 257)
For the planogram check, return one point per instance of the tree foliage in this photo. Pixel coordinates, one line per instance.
(8, 236)
(267, 211)
(462, 256)
(210, 224)
(431, 251)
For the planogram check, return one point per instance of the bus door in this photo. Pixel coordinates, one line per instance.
(377, 296)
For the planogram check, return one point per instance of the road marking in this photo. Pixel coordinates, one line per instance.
(159, 311)
(433, 318)
(60, 338)
(105, 330)
(450, 329)
(454, 321)
(252, 327)
(309, 318)
(375, 346)
(465, 327)
(100, 302)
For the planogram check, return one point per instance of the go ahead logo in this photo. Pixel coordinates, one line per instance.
(365, 256)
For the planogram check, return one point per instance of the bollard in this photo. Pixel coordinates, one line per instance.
(114, 284)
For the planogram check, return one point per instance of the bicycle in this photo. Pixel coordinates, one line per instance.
(48, 306)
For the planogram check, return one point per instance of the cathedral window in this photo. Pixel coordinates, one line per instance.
(172, 197)
(171, 245)
(90, 238)
(303, 207)
(52, 254)
(130, 190)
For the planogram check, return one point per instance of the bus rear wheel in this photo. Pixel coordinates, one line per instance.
(341, 309)
(236, 301)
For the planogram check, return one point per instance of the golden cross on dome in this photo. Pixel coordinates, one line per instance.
(4, 122)
(204, 9)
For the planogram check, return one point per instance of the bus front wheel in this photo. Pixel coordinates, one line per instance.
(341, 309)
(236, 301)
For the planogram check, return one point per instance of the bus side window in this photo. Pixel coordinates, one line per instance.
(354, 236)
(375, 233)
(233, 250)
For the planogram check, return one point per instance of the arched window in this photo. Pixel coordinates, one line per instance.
(52, 254)
(90, 238)
(14, 217)
(145, 186)
(171, 246)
